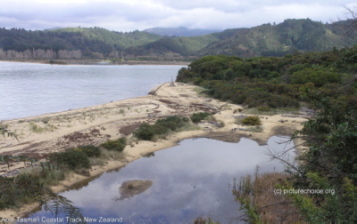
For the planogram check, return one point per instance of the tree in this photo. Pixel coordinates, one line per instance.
(329, 165)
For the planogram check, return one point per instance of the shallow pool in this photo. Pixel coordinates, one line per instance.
(193, 179)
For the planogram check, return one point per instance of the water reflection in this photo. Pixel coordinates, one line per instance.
(188, 181)
(64, 87)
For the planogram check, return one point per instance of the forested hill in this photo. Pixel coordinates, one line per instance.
(303, 35)
(277, 40)
(86, 42)
(266, 40)
(180, 32)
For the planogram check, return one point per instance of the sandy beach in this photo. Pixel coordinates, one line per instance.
(40, 135)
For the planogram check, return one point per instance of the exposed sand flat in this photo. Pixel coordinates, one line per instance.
(48, 133)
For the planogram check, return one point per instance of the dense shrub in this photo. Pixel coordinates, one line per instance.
(251, 120)
(71, 159)
(275, 82)
(89, 150)
(318, 77)
(197, 117)
(145, 132)
(172, 123)
(330, 163)
(116, 145)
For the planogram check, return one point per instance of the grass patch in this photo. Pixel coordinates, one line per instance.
(40, 129)
(47, 173)
(200, 91)
(115, 145)
(45, 120)
(108, 155)
(249, 121)
(122, 112)
(257, 128)
(220, 124)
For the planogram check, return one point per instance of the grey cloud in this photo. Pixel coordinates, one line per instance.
(243, 5)
(130, 15)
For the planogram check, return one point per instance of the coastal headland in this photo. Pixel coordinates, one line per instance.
(44, 134)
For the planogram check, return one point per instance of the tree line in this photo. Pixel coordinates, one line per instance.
(324, 81)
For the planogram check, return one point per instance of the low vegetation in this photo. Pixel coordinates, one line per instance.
(260, 203)
(40, 129)
(198, 117)
(116, 145)
(19, 190)
(29, 187)
(70, 159)
(202, 220)
(160, 128)
(251, 120)
(89, 150)
(32, 183)
(4, 131)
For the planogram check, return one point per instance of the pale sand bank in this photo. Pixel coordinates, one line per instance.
(48, 133)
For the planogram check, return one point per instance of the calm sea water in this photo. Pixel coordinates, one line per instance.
(28, 89)
(191, 180)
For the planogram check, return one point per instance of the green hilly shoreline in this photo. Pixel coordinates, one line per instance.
(292, 35)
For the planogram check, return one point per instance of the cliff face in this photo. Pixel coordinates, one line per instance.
(40, 54)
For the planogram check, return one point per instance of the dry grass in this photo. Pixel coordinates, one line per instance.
(200, 91)
(41, 128)
(109, 155)
(270, 207)
(257, 128)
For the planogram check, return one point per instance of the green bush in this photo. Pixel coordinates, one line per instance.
(162, 126)
(197, 117)
(116, 145)
(71, 159)
(89, 150)
(145, 132)
(251, 120)
(318, 77)
(172, 123)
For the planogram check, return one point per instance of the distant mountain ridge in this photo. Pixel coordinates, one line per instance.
(180, 31)
(292, 35)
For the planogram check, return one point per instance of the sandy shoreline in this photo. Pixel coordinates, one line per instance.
(95, 62)
(40, 135)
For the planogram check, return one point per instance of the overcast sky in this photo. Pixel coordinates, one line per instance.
(130, 15)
